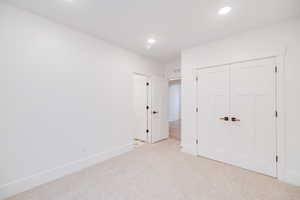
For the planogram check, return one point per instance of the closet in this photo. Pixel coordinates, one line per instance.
(237, 114)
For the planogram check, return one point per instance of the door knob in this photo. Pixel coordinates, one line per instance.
(154, 112)
(235, 119)
(225, 118)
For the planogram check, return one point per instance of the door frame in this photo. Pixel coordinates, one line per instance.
(279, 104)
(180, 106)
(149, 99)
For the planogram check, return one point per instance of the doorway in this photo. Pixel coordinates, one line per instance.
(174, 114)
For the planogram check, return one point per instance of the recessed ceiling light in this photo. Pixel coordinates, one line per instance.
(69, 0)
(148, 46)
(225, 10)
(151, 41)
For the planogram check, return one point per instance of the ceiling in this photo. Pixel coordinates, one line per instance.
(176, 24)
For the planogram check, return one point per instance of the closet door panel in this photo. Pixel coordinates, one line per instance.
(252, 107)
(213, 103)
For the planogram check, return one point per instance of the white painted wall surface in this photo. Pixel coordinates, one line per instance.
(173, 69)
(254, 44)
(66, 99)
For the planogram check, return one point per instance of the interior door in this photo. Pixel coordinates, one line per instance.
(213, 119)
(140, 99)
(159, 88)
(253, 110)
(245, 93)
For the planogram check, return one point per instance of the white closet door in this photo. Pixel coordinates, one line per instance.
(159, 88)
(244, 92)
(213, 104)
(253, 103)
(140, 99)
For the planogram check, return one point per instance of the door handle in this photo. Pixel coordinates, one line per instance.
(154, 112)
(235, 119)
(225, 118)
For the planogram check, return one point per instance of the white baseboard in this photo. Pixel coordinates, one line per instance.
(189, 148)
(292, 178)
(30, 182)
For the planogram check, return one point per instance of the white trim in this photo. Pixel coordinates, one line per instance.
(281, 131)
(196, 113)
(237, 62)
(280, 125)
(30, 182)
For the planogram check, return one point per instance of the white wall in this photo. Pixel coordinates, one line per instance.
(65, 99)
(173, 69)
(264, 42)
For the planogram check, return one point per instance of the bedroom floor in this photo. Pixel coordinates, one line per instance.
(162, 172)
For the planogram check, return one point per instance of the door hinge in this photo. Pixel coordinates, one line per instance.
(196, 78)
(197, 109)
(197, 141)
(147, 84)
(147, 107)
(276, 113)
(277, 159)
(276, 69)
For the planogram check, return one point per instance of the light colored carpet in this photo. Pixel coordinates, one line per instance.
(162, 172)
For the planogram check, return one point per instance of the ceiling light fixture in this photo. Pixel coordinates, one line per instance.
(151, 41)
(224, 10)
